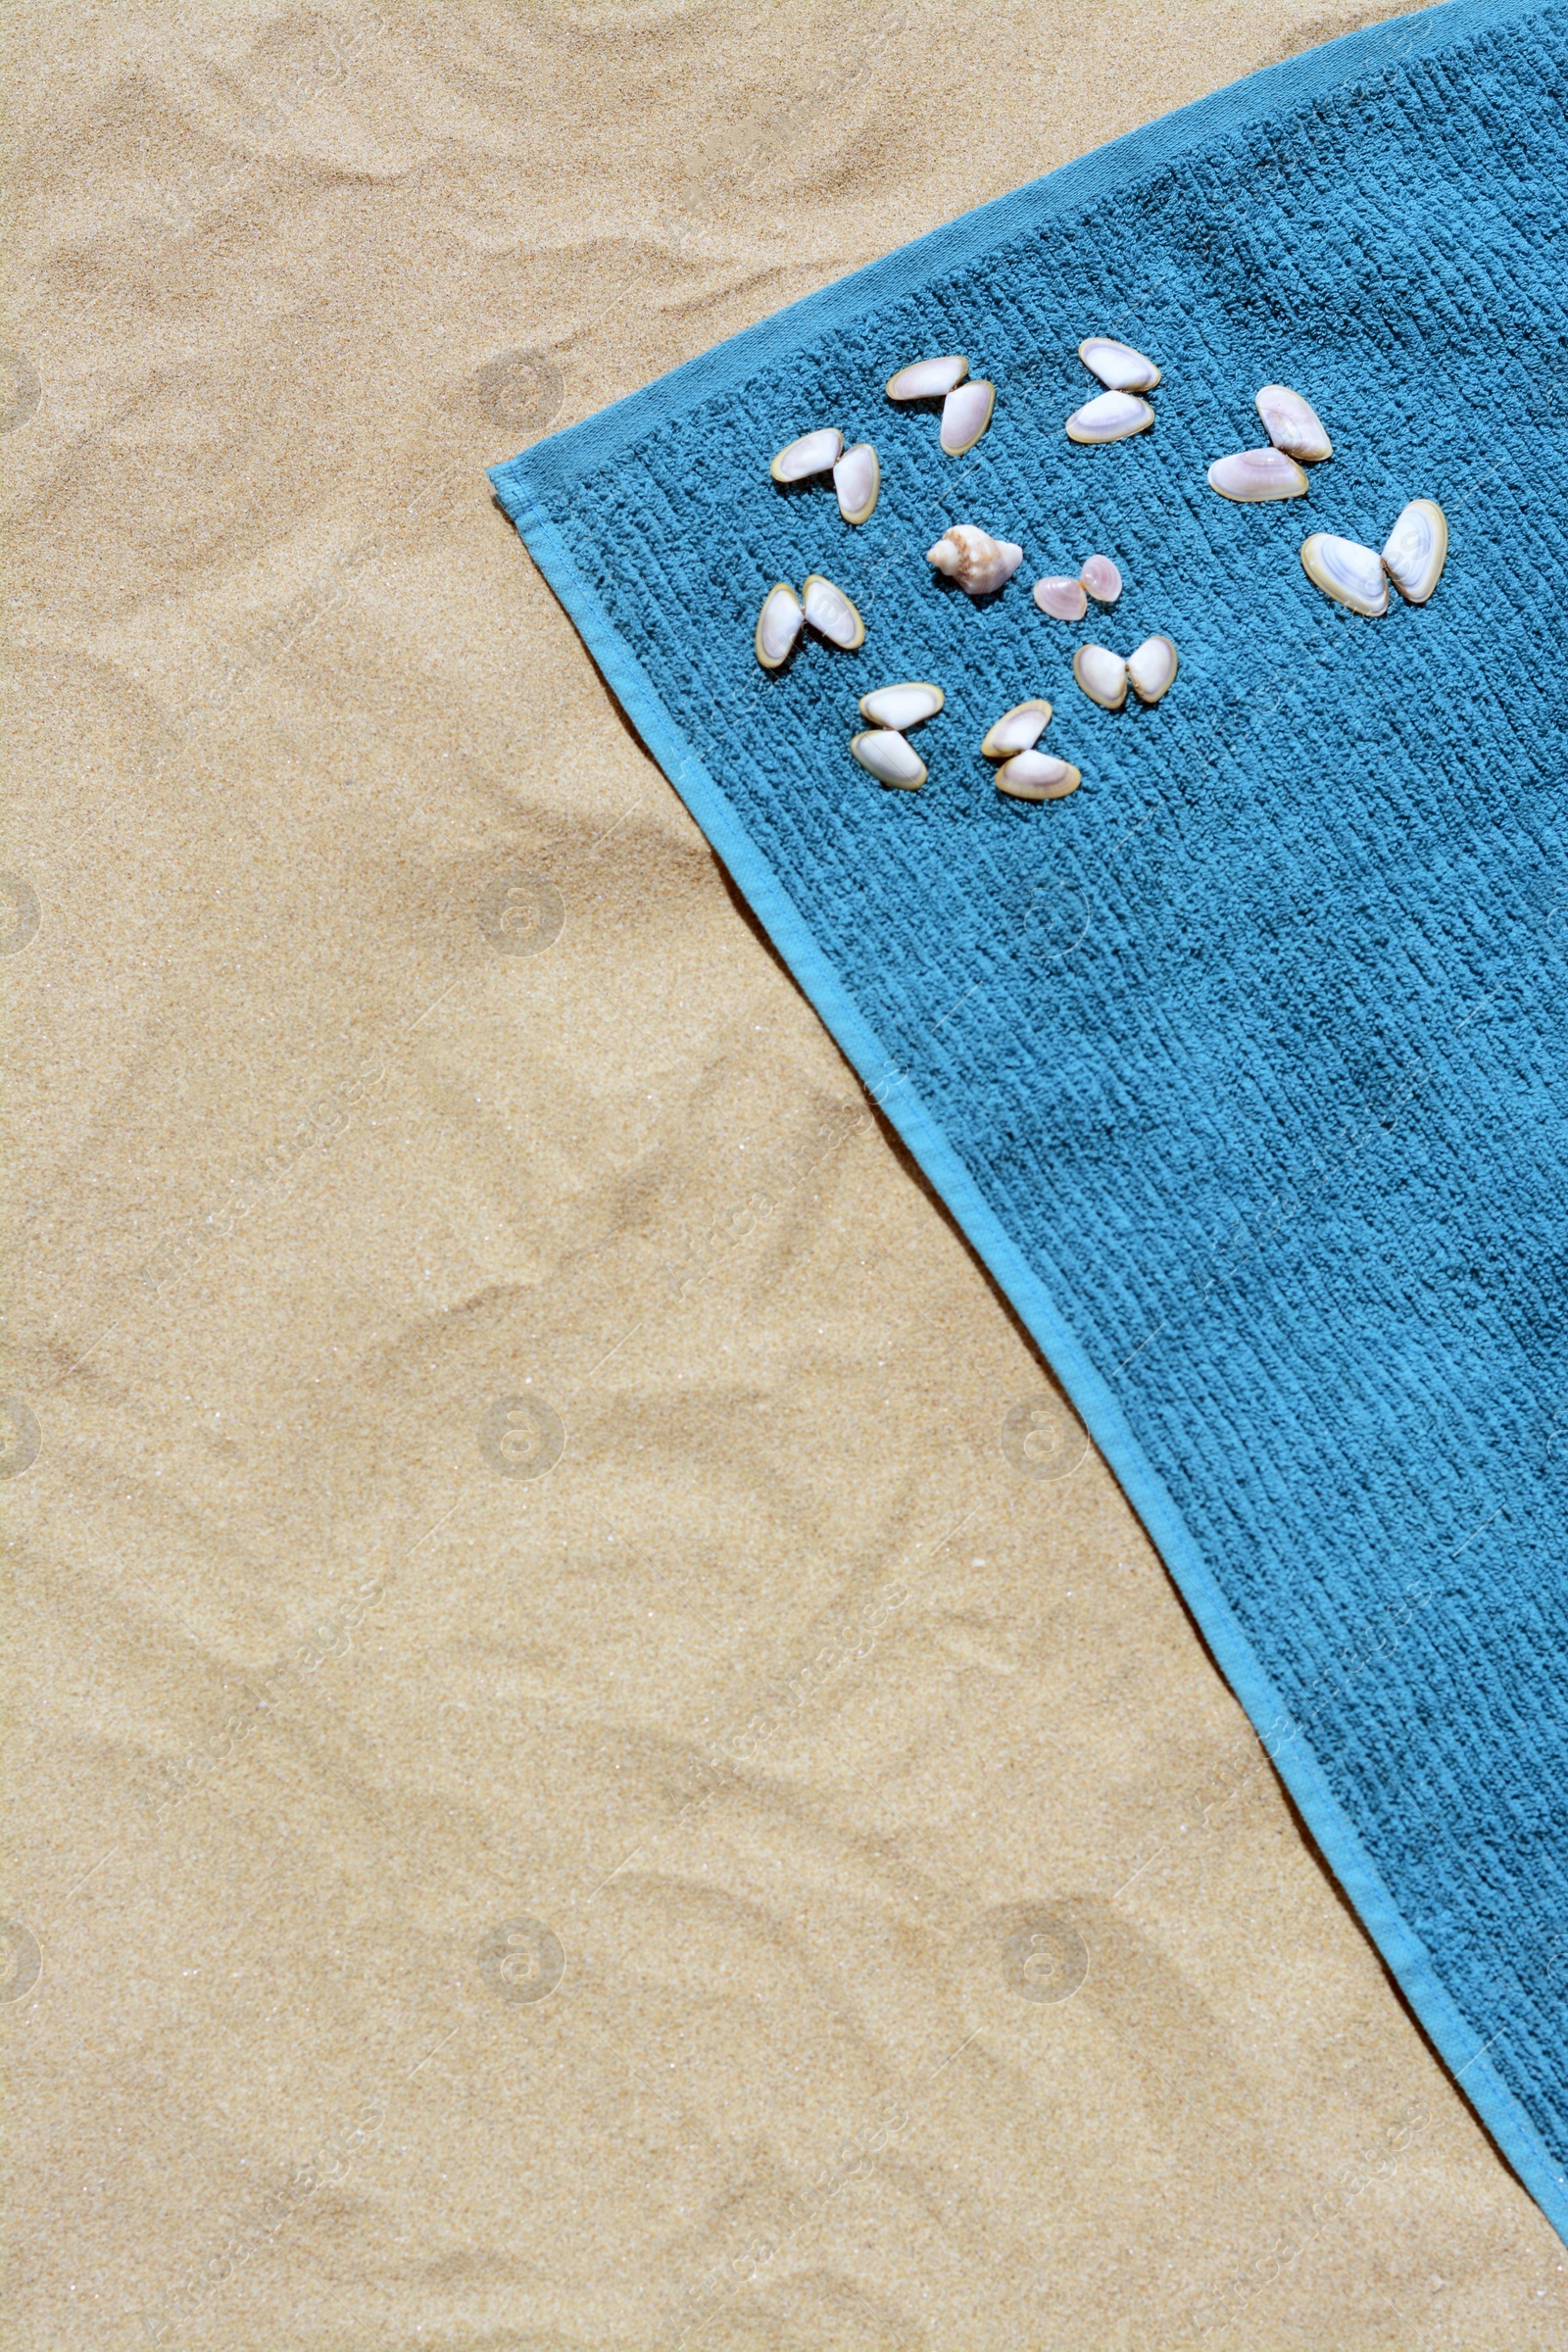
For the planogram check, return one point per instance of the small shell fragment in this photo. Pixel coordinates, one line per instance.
(1016, 730)
(1102, 579)
(1417, 550)
(900, 706)
(1063, 599)
(927, 379)
(1292, 424)
(778, 625)
(812, 453)
(973, 559)
(1102, 674)
(857, 479)
(1347, 572)
(965, 413)
(1110, 416)
(1252, 475)
(884, 754)
(1036, 777)
(1118, 365)
(1151, 669)
(829, 611)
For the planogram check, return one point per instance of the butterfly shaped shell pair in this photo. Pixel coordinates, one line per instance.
(784, 616)
(857, 476)
(1106, 676)
(1068, 600)
(881, 749)
(968, 402)
(1412, 557)
(1022, 773)
(1119, 411)
(1296, 439)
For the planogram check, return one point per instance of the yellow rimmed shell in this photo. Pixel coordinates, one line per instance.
(831, 614)
(1036, 777)
(778, 625)
(812, 453)
(1152, 668)
(884, 754)
(1250, 475)
(1016, 730)
(857, 481)
(1118, 366)
(1293, 424)
(1111, 416)
(1417, 549)
(1102, 674)
(1347, 572)
(903, 706)
(928, 380)
(965, 413)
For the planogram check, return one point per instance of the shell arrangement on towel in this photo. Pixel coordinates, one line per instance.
(1355, 576)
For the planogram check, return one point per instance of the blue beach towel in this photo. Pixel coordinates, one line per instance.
(1242, 1068)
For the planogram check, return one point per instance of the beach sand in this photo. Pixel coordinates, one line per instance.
(572, 1780)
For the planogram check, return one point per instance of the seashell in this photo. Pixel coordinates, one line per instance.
(927, 379)
(1063, 599)
(1417, 550)
(829, 611)
(1102, 674)
(1257, 473)
(1151, 669)
(812, 453)
(1016, 730)
(1292, 424)
(900, 706)
(1111, 416)
(778, 625)
(965, 413)
(857, 479)
(971, 556)
(1102, 579)
(1036, 777)
(1118, 365)
(884, 754)
(1347, 572)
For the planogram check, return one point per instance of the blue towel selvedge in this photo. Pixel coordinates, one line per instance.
(1242, 1068)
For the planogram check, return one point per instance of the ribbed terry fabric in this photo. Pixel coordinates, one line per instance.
(1244, 1067)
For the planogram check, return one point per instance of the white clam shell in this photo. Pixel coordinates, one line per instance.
(927, 379)
(830, 611)
(970, 556)
(1252, 475)
(857, 479)
(1293, 424)
(1061, 598)
(1036, 777)
(1417, 550)
(1102, 579)
(1102, 674)
(884, 754)
(1151, 669)
(903, 706)
(965, 413)
(812, 453)
(1347, 572)
(1118, 365)
(778, 625)
(1016, 730)
(1110, 416)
